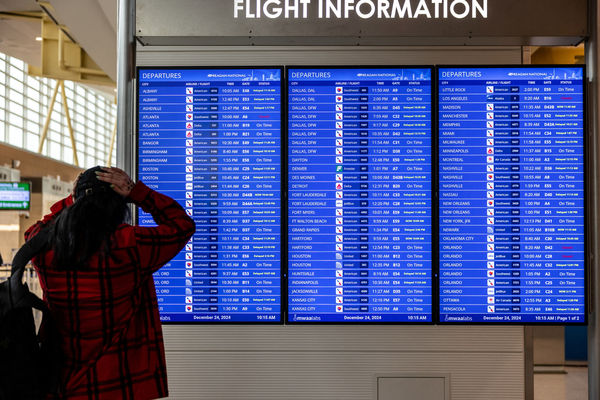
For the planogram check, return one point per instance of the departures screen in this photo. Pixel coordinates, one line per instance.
(511, 195)
(359, 195)
(211, 139)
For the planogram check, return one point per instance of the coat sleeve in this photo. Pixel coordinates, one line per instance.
(158, 245)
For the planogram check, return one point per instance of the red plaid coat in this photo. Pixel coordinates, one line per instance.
(108, 314)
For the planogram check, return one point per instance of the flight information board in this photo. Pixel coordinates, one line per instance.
(211, 139)
(511, 195)
(359, 195)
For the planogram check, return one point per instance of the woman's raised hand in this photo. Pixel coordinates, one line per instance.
(119, 181)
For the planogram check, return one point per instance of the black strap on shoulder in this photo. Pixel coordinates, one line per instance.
(29, 250)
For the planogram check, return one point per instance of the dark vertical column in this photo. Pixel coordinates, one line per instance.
(125, 85)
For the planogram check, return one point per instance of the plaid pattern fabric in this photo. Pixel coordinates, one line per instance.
(108, 313)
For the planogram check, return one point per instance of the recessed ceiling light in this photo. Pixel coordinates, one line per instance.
(38, 38)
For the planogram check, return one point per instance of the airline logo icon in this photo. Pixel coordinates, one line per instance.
(490, 185)
(339, 133)
(189, 212)
(490, 195)
(189, 152)
(339, 203)
(490, 142)
(490, 150)
(189, 142)
(490, 221)
(339, 221)
(339, 291)
(189, 195)
(339, 247)
(490, 159)
(491, 273)
(490, 256)
(339, 238)
(339, 116)
(491, 309)
(339, 151)
(188, 308)
(189, 108)
(189, 247)
(490, 107)
(339, 107)
(490, 265)
(189, 177)
(339, 160)
(490, 229)
(339, 309)
(338, 256)
(189, 160)
(339, 212)
(188, 264)
(188, 299)
(490, 168)
(188, 282)
(490, 282)
(189, 90)
(339, 125)
(189, 134)
(491, 300)
(189, 99)
(189, 125)
(490, 124)
(339, 177)
(339, 229)
(189, 203)
(339, 90)
(189, 117)
(189, 256)
(490, 133)
(339, 99)
(491, 247)
(339, 142)
(339, 282)
(339, 186)
(339, 274)
(489, 89)
(490, 212)
(189, 168)
(491, 291)
(490, 238)
(189, 186)
(189, 274)
(339, 300)
(339, 195)
(490, 115)
(490, 177)
(188, 291)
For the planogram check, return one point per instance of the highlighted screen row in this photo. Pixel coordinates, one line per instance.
(411, 195)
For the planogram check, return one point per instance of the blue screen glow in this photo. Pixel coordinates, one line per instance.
(511, 195)
(211, 139)
(359, 195)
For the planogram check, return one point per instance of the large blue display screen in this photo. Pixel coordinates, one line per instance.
(211, 139)
(359, 195)
(511, 195)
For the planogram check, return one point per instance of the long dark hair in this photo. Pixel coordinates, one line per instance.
(85, 227)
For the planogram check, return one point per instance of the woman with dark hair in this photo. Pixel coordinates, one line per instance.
(96, 275)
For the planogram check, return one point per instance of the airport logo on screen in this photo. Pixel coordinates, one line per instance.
(364, 9)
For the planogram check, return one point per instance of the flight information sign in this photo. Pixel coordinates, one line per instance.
(511, 195)
(211, 139)
(359, 195)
